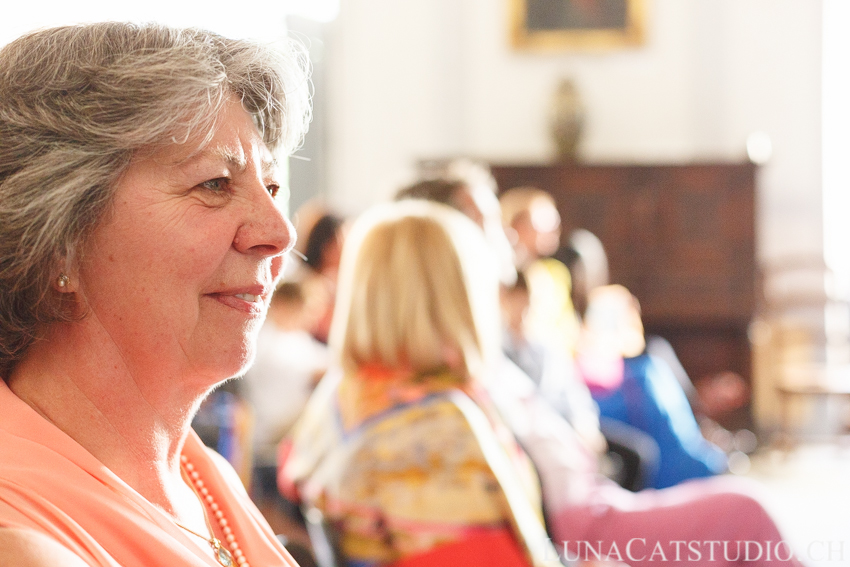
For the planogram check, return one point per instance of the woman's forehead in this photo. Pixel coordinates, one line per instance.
(233, 141)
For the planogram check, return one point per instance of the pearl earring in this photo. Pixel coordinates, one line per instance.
(62, 281)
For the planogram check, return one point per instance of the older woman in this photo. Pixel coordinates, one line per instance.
(141, 235)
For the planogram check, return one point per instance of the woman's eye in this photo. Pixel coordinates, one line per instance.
(215, 185)
(273, 189)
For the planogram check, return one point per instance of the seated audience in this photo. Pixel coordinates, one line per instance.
(532, 221)
(585, 258)
(427, 447)
(711, 398)
(660, 452)
(385, 448)
(632, 456)
(470, 188)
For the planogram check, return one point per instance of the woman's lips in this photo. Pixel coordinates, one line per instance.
(245, 302)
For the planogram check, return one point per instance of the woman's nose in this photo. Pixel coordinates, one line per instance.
(265, 231)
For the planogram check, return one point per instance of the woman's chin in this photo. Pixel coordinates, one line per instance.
(224, 365)
(237, 366)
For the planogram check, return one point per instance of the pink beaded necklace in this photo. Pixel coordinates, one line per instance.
(226, 557)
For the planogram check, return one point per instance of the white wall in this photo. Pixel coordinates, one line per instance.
(424, 78)
(395, 94)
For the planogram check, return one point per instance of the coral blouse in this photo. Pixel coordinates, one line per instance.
(51, 484)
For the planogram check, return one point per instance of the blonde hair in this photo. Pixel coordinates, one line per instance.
(77, 103)
(418, 290)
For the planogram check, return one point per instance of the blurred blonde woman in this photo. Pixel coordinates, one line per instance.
(402, 449)
(410, 450)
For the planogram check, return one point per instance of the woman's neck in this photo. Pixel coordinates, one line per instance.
(84, 387)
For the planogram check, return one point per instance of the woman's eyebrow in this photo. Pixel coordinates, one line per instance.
(269, 166)
(234, 159)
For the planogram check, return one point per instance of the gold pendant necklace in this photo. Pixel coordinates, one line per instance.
(221, 553)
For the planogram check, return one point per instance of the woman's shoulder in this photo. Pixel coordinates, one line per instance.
(410, 408)
(435, 430)
(421, 462)
(28, 548)
(344, 426)
(435, 411)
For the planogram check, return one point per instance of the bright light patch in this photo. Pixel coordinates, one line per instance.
(836, 142)
(318, 10)
(261, 19)
(759, 147)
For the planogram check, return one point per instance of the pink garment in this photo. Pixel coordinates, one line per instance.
(597, 518)
(695, 513)
(51, 484)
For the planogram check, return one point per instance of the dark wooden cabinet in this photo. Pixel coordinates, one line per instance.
(680, 237)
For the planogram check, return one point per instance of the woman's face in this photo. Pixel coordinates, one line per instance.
(179, 274)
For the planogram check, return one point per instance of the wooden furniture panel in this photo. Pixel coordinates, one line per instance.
(680, 237)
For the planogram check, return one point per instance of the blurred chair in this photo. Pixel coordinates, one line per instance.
(801, 345)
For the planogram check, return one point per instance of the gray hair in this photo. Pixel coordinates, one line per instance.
(77, 103)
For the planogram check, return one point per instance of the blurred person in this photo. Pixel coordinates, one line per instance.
(711, 397)
(305, 218)
(633, 387)
(533, 226)
(587, 262)
(537, 353)
(551, 370)
(415, 451)
(530, 217)
(324, 245)
(532, 223)
(585, 258)
(468, 186)
(527, 354)
(288, 365)
(386, 449)
(141, 236)
(322, 249)
(654, 439)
